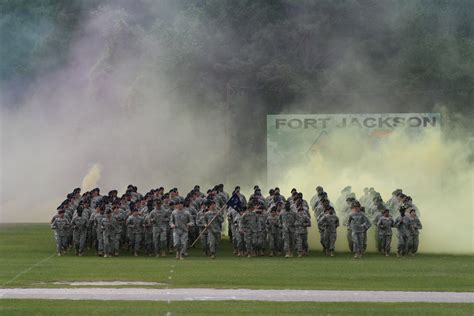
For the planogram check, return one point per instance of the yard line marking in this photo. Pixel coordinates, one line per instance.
(28, 269)
(209, 294)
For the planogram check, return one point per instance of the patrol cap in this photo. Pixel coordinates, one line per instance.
(355, 204)
(76, 190)
(237, 188)
(386, 211)
(171, 203)
(397, 191)
(179, 201)
(319, 188)
(61, 211)
(255, 187)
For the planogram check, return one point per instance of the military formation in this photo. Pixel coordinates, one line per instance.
(160, 223)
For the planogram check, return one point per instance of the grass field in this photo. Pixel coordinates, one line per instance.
(51, 307)
(26, 261)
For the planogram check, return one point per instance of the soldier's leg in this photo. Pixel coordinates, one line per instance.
(305, 243)
(106, 245)
(350, 242)
(332, 241)
(322, 239)
(415, 243)
(100, 243)
(388, 243)
(356, 244)
(248, 243)
(156, 240)
(184, 243)
(378, 243)
(211, 243)
(364, 241)
(118, 237)
(299, 244)
(292, 242)
(401, 245)
(82, 242)
(138, 240)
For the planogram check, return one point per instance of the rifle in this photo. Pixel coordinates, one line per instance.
(209, 224)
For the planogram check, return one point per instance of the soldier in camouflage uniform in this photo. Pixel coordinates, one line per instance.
(402, 223)
(261, 233)
(359, 224)
(302, 222)
(415, 226)
(180, 221)
(273, 231)
(135, 224)
(120, 219)
(329, 223)
(287, 223)
(248, 228)
(109, 226)
(61, 227)
(99, 215)
(346, 213)
(213, 219)
(160, 219)
(79, 225)
(201, 223)
(384, 231)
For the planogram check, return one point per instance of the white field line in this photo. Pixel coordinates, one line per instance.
(28, 269)
(206, 294)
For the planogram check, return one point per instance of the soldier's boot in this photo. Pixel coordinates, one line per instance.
(356, 256)
(249, 255)
(300, 254)
(271, 254)
(331, 253)
(213, 256)
(116, 254)
(135, 254)
(163, 253)
(235, 251)
(261, 253)
(399, 254)
(386, 254)
(287, 255)
(59, 254)
(177, 255)
(81, 254)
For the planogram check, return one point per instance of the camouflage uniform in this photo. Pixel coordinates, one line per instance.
(402, 223)
(61, 227)
(180, 221)
(384, 230)
(135, 227)
(274, 233)
(214, 229)
(359, 224)
(261, 233)
(159, 218)
(248, 226)
(99, 233)
(415, 226)
(80, 225)
(201, 223)
(302, 222)
(330, 223)
(109, 226)
(287, 222)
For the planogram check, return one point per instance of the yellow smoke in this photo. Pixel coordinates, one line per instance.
(436, 173)
(92, 177)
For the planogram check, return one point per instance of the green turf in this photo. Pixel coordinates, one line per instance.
(51, 307)
(22, 246)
